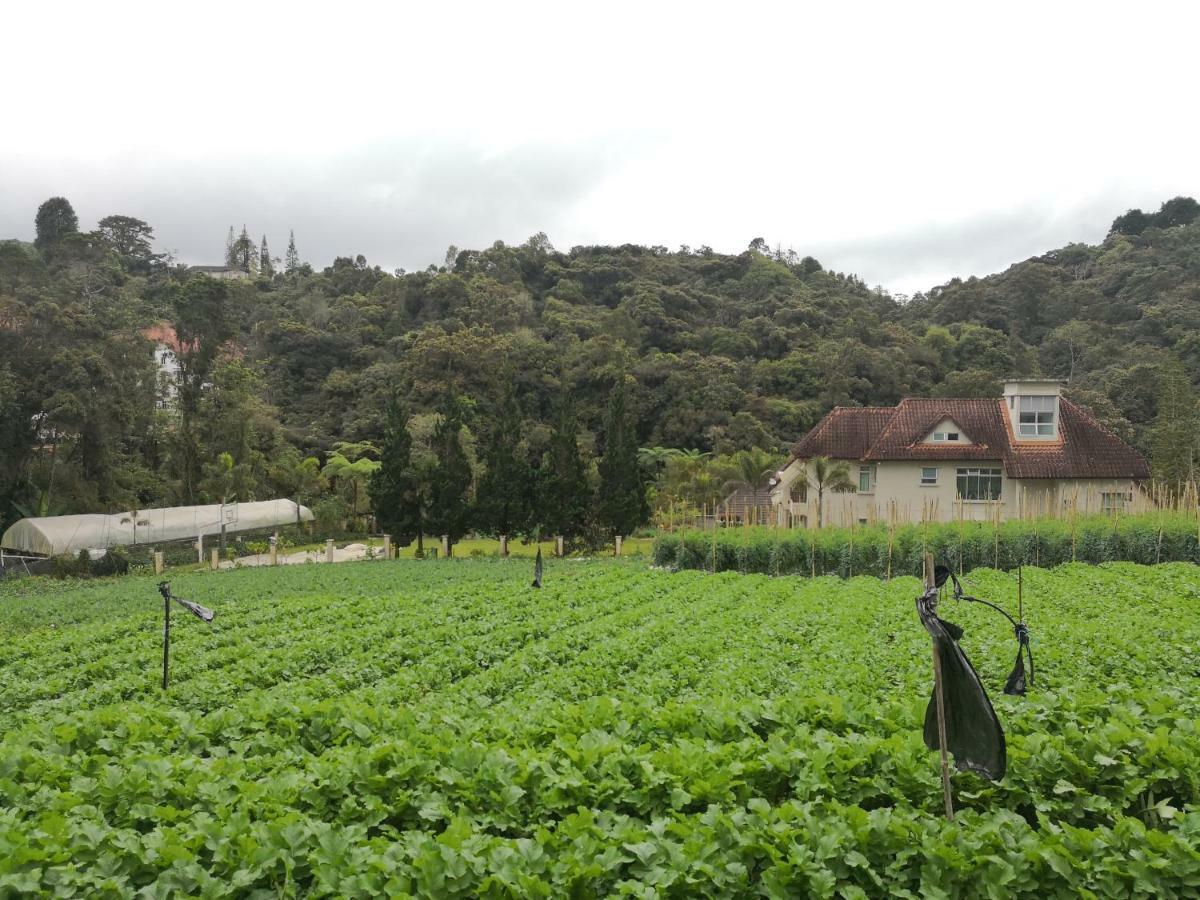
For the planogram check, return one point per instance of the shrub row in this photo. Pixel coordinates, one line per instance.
(873, 550)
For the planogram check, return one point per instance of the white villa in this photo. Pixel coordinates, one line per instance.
(1029, 452)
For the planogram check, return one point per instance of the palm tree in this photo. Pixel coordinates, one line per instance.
(825, 474)
(350, 464)
(750, 470)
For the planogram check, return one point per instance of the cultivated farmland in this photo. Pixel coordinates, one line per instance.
(441, 729)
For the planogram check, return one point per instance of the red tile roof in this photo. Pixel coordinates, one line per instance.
(846, 432)
(1084, 448)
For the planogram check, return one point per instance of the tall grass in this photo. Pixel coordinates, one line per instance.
(883, 551)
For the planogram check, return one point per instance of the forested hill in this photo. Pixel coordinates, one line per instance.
(722, 352)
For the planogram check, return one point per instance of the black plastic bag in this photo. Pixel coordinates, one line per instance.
(537, 570)
(973, 732)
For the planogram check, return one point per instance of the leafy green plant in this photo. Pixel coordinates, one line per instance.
(438, 729)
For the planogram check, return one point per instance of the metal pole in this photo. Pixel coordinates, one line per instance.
(166, 636)
(941, 705)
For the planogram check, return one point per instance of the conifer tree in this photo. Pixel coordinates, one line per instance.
(450, 482)
(231, 261)
(265, 267)
(565, 498)
(291, 261)
(622, 506)
(245, 257)
(502, 499)
(395, 498)
(1175, 435)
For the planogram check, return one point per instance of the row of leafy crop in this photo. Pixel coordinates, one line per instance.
(880, 551)
(620, 731)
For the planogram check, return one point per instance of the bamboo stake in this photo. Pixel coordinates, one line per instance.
(940, 702)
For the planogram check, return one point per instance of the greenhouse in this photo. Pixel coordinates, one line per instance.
(57, 535)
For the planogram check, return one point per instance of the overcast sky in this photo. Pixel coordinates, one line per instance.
(906, 142)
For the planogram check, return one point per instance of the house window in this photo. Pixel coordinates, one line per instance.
(928, 476)
(945, 436)
(1112, 502)
(864, 479)
(799, 491)
(1036, 417)
(979, 484)
(952, 435)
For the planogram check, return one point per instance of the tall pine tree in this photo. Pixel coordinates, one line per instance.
(265, 267)
(502, 499)
(450, 483)
(245, 257)
(622, 507)
(1175, 435)
(395, 498)
(291, 260)
(231, 260)
(564, 496)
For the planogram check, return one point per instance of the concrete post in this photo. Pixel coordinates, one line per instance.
(504, 545)
(274, 554)
(329, 550)
(387, 546)
(200, 549)
(445, 546)
(216, 559)
(158, 562)
(558, 543)
(618, 548)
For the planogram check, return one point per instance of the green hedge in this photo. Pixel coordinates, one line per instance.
(1147, 539)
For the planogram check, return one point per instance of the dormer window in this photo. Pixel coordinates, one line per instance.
(1036, 416)
(939, 436)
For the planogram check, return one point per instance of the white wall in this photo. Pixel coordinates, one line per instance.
(898, 493)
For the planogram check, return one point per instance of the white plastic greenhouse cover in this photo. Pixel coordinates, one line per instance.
(55, 535)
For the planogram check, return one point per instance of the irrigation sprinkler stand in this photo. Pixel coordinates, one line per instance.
(200, 612)
(166, 630)
(930, 585)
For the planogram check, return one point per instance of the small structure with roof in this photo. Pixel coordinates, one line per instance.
(224, 273)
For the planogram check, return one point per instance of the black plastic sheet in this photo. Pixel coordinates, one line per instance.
(973, 732)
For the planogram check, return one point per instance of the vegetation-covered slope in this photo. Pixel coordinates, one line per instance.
(722, 352)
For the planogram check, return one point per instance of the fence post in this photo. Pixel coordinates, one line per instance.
(274, 552)
(504, 545)
(387, 546)
(216, 559)
(200, 548)
(618, 547)
(158, 562)
(329, 550)
(558, 543)
(445, 546)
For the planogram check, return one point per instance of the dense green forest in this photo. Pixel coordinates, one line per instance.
(287, 376)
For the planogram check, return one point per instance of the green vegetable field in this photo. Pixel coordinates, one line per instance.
(441, 729)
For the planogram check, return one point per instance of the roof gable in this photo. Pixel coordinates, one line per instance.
(945, 428)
